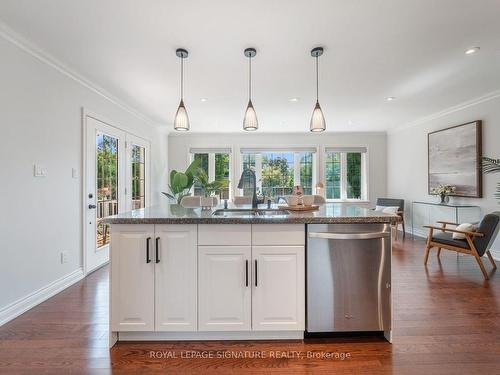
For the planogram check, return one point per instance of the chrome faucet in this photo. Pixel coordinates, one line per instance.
(248, 172)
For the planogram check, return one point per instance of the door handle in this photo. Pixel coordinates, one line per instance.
(157, 249)
(256, 272)
(92, 206)
(348, 236)
(246, 272)
(148, 259)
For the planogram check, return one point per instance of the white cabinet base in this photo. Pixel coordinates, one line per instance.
(195, 336)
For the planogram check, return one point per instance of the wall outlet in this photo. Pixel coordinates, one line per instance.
(64, 257)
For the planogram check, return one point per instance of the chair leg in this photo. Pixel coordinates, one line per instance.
(481, 265)
(492, 261)
(439, 252)
(427, 250)
(396, 232)
(404, 230)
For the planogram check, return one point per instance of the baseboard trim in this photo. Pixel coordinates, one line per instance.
(495, 253)
(26, 303)
(196, 336)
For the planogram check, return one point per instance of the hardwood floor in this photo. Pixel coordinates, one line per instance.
(446, 321)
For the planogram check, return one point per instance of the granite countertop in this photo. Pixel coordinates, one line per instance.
(329, 213)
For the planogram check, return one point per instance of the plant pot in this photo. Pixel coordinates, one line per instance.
(206, 203)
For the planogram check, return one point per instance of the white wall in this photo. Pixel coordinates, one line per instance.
(407, 157)
(179, 144)
(41, 110)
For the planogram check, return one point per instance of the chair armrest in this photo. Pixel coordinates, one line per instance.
(447, 222)
(476, 234)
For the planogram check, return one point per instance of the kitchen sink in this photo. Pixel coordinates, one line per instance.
(248, 213)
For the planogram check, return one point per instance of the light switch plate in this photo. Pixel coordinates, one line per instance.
(39, 171)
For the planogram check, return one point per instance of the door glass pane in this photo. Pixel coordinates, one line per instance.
(222, 172)
(332, 174)
(306, 172)
(107, 184)
(203, 160)
(353, 174)
(277, 173)
(248, 162)
(138, 176)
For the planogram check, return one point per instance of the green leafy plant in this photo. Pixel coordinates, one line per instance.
(209, 188)
(492, 166)
(182, 182)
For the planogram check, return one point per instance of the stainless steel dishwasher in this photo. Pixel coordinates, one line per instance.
(349, 278)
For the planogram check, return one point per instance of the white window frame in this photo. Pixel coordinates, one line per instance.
(141, 142)
(343, 173)
(296, 163)
(211, 162)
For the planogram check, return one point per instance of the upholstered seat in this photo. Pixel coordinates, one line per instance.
(392, 202)
(447, 238)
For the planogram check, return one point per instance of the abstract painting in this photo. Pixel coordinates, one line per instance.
(454, 158)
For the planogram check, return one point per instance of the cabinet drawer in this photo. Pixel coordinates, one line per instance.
(278, 234)
(224, 234)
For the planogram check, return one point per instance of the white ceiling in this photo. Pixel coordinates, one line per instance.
(410, 49)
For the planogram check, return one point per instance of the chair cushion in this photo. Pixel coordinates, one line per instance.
(447, 239)
(466, 227)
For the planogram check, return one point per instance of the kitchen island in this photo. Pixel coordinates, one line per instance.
(237, 274)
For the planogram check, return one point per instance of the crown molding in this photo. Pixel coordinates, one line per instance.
(459, 107)
(24, 44)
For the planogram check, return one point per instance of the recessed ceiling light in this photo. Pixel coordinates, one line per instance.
(294, 99)
(390, 98)
(472, 50)
(203, 100)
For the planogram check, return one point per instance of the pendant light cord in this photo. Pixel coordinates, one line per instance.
(250, 78)
(317, 80)
(182, 78)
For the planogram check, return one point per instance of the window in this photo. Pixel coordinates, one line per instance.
(345, 173)
(279, 171)
(217, 165)
(138, 160)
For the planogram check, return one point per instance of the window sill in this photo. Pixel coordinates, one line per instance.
(363, 201)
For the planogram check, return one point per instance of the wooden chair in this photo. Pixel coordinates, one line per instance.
(392, 202)
(475, 243)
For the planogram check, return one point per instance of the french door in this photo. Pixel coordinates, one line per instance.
(116, 180)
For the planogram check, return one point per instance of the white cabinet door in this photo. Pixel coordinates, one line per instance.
(278, 298)
(224, 290)
(175, 277)
(132, 278)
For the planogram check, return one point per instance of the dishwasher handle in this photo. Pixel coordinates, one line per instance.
(348, 236)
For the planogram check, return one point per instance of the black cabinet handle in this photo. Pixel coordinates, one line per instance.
(148, 259)
(157, 249)
(255, 272)
(246, 272)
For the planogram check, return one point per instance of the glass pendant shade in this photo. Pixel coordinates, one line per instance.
(318, 123)
(250, 122)
(181, 121)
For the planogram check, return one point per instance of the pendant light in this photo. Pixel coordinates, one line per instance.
(181, 121)
(318, 123)
(250, 122)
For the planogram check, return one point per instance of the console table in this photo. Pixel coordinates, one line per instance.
(428, 213)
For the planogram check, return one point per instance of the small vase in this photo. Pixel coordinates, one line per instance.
(444, 199)
(206, 203)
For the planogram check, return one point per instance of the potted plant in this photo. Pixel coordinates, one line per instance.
(181, 182)
(444, 191)
(209, 188)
